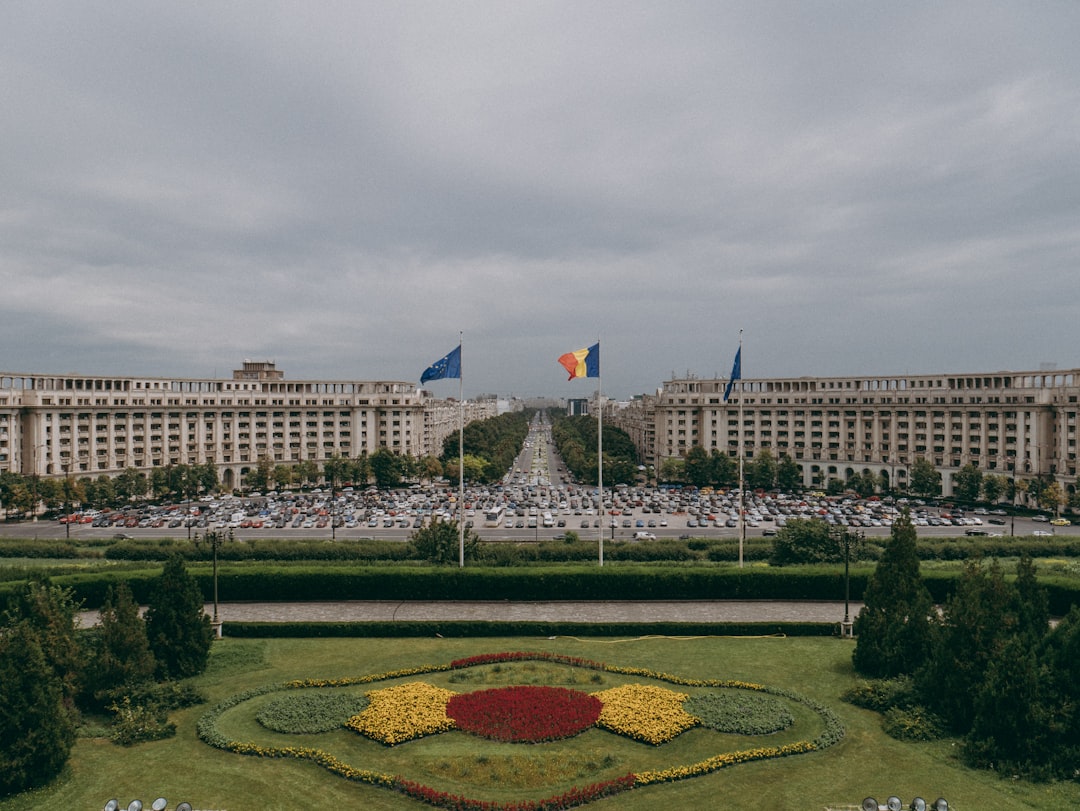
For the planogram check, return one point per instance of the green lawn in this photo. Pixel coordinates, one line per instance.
(865, 763)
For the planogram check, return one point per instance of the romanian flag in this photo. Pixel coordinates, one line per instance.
(583, 362)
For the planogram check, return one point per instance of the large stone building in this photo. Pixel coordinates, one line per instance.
(1018, 424)
(56, 425)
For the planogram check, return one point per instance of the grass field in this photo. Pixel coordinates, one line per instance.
(865, 763)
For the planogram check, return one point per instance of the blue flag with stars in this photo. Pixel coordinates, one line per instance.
(448, 366)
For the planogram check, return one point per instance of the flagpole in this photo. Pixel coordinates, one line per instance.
(742, 481)
(600, 446)
(461, 460)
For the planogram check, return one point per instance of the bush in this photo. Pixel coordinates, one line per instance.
(880, 695)
(912, 724)
(138, 723)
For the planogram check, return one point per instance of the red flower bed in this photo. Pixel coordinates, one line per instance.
(524, 714)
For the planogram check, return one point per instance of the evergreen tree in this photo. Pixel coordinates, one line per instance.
(177, 628)
(1060, 658)
(123, 656)
(894, 628)
(977, 620)
(36, 730)
(51, 612)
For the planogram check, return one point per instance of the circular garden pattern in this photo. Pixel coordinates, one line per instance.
(402, 709)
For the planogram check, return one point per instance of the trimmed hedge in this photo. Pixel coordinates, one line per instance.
(297, 583)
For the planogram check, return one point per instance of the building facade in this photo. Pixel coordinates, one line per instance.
(1017, 424)
(58, 425)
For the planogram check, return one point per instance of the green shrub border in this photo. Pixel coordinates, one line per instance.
(292, 583)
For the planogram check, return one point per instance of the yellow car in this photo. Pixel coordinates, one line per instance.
(1061, 522)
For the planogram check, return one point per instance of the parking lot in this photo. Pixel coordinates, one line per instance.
(534, 502)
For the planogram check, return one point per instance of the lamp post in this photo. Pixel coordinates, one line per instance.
(214, 539)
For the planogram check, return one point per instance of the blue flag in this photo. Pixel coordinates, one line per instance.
(736, 374)
(449, 366)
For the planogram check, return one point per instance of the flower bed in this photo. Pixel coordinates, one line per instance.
(408, 711)
(524, 714)
(651, 714)
(402, 713)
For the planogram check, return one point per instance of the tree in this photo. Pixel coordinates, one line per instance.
(976, 622)
(430, 467)
(1051, 497)
(811, 540)
(177, 628)
(36, 730)
(865, 483)
(697, 466)
(131, 484)
(123, 656)
(440, 542)
(384, 467)
(925, 479)
(789, 475)
(993, 487)
(967, 482)
(51, 611)
(760, 472)
(672, 469)
(894, 628)
(259, 477)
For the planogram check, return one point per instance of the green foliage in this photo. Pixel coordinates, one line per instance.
(442, 542)
(137, 723)
(310, 713)
(575, 439)
(925, 478)
(811, 540)
(882, 694)
(740, 712)
(51, 611)
(894, 627)
(176, 626)
(912, 724)
(36, 729)
(490, 446)
(122, 654)
(967, 482)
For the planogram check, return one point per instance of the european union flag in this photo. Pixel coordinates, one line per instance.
(736, 374)
(449, 366)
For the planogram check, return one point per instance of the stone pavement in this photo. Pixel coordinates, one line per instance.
(508, 611)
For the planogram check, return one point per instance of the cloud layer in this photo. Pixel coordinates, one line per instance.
(344, 187)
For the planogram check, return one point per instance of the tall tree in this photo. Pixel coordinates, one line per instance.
(967, 482)
(894, 628)
(789, 477)
(51, 611)
(698, 467)
(36, 730)
(925, 478)
(122, 656)
(177, 628)
(760, 472)
(976, 622)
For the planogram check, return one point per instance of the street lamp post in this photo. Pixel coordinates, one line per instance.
(214, 539)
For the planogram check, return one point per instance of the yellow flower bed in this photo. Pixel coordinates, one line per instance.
(722, 761)
(651, 714)
(402, 713)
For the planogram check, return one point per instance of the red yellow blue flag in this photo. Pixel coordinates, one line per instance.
(582, 362)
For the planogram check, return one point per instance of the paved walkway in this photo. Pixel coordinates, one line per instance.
(507, 611)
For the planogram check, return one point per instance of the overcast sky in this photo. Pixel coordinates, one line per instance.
(343, 188)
